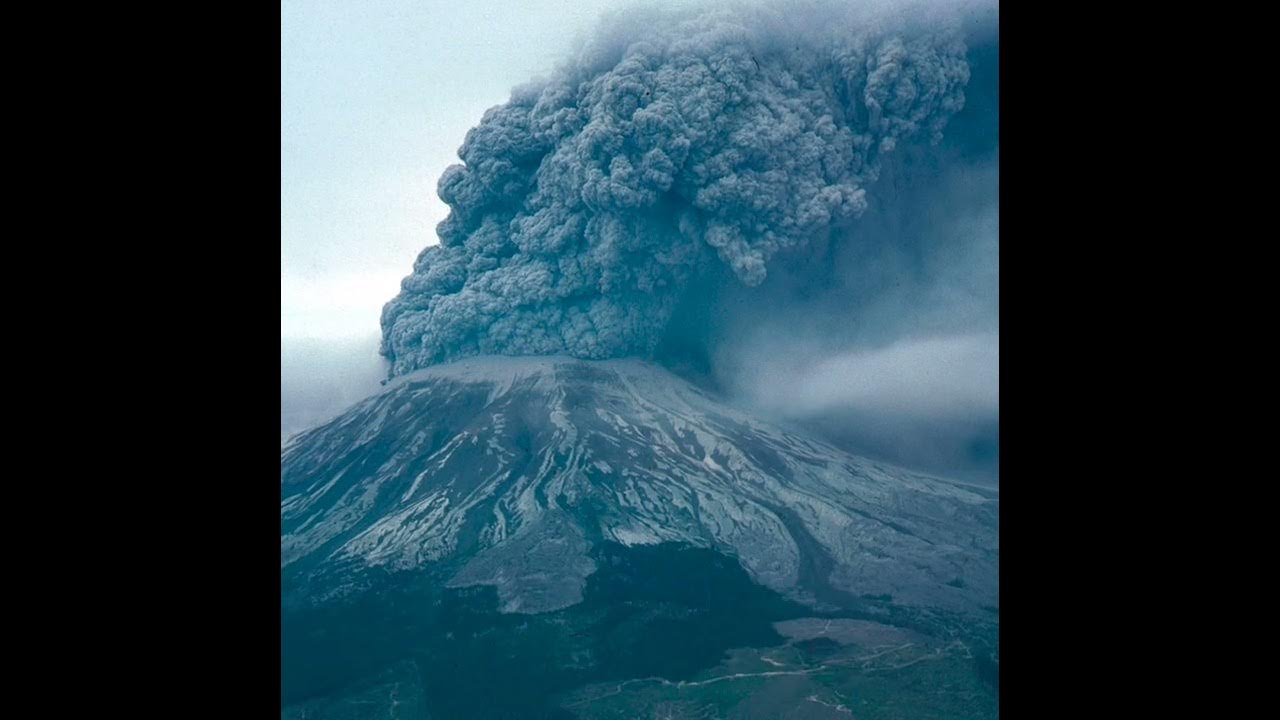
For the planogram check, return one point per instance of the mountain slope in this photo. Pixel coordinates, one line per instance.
(508, 472)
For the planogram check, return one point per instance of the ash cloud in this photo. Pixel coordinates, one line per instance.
(798, 207)
(887, 338)
(678, 148)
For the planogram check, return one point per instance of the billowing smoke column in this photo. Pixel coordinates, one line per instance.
(592, 200)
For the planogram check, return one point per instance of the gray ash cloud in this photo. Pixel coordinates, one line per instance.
(676, 145)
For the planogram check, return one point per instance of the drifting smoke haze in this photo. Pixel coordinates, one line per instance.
(887, 340)
(795, 204)
(319, 378)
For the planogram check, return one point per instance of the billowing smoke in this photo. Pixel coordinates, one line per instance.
(676, 145)
(797, 206)
(886, 339)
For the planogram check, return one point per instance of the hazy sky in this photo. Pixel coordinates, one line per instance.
(375, 98)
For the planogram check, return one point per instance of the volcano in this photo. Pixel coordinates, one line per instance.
(487, 537)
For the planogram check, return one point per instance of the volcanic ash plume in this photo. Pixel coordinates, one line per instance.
(592, 200)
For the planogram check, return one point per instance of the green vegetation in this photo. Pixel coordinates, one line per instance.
(651, 618)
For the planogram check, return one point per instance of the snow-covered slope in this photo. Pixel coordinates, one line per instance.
(506, 471)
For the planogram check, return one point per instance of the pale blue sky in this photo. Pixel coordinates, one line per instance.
(375, 98)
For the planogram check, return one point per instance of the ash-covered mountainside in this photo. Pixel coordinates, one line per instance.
(509, 471)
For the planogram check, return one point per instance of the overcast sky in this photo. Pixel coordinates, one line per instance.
(375, 98)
